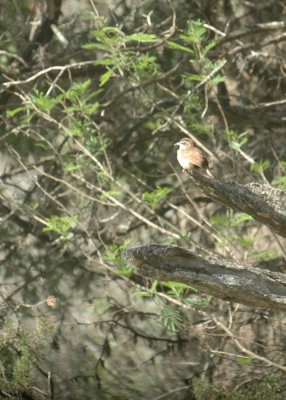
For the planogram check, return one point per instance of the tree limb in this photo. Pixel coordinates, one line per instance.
(263, 202)
(222, 278)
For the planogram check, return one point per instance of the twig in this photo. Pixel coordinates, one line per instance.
(46, 70)
(246, 351)
(8, 54)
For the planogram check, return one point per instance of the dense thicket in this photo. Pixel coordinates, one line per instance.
(92, 98)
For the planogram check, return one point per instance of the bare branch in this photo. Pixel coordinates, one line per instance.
(263, 202)
(222, 278)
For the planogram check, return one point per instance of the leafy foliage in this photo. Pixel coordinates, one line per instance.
(88, 169)
(19, 354)
(260, 167)
(269, 387)
(154, 198)
(237, 140)
(61, 225)
(171, 318)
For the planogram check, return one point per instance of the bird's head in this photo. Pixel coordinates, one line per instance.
(185, 142)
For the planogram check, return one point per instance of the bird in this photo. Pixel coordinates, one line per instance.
(191, 157)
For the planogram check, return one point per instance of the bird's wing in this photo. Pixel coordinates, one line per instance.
(197, 158)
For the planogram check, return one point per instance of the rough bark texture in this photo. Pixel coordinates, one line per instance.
(263, 202)
(221, 278)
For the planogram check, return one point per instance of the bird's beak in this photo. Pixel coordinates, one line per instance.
(176, 144)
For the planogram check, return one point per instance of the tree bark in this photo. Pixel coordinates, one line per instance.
(222, 278)
(263, 202)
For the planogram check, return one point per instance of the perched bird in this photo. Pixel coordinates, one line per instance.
(190, 157)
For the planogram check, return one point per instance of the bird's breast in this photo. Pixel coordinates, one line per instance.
(184, 161)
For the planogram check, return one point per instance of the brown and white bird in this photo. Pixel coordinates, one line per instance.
(190, 157)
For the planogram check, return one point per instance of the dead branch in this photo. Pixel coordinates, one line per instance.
(263, 202)
(222, 278)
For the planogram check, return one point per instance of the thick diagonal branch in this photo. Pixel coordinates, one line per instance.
(222, 278)
(263, 202)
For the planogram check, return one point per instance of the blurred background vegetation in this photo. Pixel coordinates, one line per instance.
(93, 95)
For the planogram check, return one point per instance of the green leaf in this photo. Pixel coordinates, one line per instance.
(208, 47)
(77, 89)
(195, 32)
(126, 270)
(236, 140)
(154, 198)
(92, 95)
(179, 47)
(263, 254)
(244, 360)
(71, 109)
(217, 79)
(11, 113)
(179, 285)
(112, 29)
(61, 225)
(195, 36)
(239, 218)
(142, 37)
(282, 164)
(260, 166)
(221, 221)
(145, 63)
(222, 243)
(141, 294)
(113, 254)
(91, 109)
(237, 145)
(35, 205)
(197, 78)
(110, 193)
(281, 182)
(44, 102)
(105, 61)
(28, 118)
(70, 168)
(98, 34)
(105, 77)
(154, 286)
(99, 46)
(245, 242)
(203, 129)
(171, 318)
